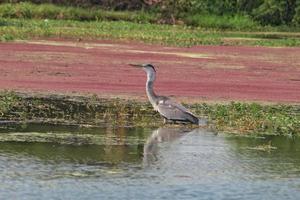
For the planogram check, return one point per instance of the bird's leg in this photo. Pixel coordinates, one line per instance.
(165, 120)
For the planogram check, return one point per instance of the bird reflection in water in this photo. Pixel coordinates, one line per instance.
(162, 135)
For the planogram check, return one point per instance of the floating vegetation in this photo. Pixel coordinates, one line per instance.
(264, 147)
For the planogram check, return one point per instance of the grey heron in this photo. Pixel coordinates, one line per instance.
(168, 109)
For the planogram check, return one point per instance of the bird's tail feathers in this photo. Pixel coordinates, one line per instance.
(198, 121)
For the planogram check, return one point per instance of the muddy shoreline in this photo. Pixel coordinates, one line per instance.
(234, 117)
(239, 89)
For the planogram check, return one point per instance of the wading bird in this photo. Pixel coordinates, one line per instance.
(170, 110)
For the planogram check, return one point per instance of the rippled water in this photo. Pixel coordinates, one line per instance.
(166, 163)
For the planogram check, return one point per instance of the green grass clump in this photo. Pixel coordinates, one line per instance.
(235, 117)
(117, 30)
(239, 117)
(8, 100)
(129, 31)
(26, 21)
(75, 110)
(236, 22)
(27, 10)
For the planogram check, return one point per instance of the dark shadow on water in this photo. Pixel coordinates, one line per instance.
(73, 144)
(90, 146)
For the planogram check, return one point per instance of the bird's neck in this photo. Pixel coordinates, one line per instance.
(150, 92)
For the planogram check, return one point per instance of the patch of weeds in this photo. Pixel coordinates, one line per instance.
(6, 37)
(8, 99)
(3, 23)
(26, 10)
(236, 22)
(246, 118)
(264, 147)
(235, 117)
(148, 33)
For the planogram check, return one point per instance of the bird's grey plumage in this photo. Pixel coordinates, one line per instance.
(176, 112)
(169, 109)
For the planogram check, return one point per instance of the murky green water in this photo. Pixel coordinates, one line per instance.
(134, 163)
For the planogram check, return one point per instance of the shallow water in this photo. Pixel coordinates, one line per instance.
(135, 163)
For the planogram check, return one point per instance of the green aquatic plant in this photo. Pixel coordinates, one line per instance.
(234, 117)
(8, 99)
(237, 117)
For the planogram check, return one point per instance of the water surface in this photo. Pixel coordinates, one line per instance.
(59, 162)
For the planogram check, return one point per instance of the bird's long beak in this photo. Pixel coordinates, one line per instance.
(136, 65)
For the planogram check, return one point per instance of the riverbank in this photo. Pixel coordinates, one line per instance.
(240, 89)
(234, 117)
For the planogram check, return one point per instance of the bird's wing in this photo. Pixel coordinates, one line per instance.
(172, 110)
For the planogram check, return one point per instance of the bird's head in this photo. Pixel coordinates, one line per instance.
(148, 68)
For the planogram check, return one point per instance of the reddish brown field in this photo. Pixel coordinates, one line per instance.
(202, 73)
